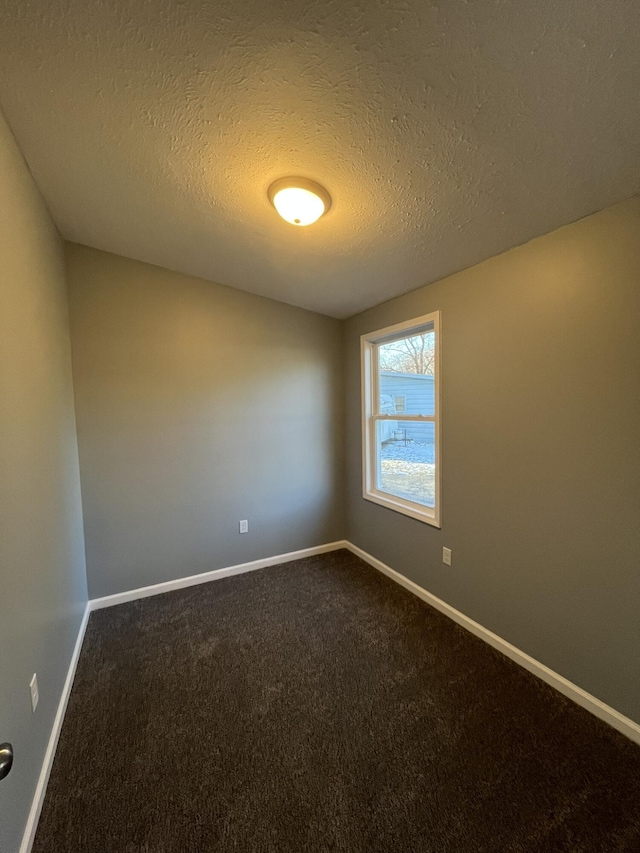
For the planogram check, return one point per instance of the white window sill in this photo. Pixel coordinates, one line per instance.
(413, 510)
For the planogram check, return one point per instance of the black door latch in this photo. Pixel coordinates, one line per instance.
(6, 759)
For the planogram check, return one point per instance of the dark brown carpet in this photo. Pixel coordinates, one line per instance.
(317, 706)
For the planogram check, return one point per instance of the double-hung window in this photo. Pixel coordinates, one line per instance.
(401, 444)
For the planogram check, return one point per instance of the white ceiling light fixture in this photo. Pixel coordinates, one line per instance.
(298, 200)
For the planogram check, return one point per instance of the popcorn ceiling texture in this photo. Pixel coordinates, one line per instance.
(445, 132)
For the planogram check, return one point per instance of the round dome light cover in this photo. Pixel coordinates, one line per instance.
(299, 200)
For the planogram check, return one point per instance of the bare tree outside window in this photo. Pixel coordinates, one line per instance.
(415, 354)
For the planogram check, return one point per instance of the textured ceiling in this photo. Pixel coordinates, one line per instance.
(445, 131)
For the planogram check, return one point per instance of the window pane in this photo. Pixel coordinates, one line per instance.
(406, 375)
(405, 460)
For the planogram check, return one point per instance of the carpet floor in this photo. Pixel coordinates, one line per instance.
(318, 706)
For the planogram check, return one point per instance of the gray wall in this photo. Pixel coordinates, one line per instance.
(541, 451)
(42, 573)
(199, 405)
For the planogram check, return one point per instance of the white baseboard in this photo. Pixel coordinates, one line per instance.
(604, 712)
(215, 574)
(43, 779)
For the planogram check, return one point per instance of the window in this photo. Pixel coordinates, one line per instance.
(401, 417)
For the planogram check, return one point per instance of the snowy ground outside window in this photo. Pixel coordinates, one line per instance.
(408, 471)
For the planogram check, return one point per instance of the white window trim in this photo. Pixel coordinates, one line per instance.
(370, 393)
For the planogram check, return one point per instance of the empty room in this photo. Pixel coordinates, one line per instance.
(319, 426)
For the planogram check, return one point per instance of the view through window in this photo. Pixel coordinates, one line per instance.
(400, 428)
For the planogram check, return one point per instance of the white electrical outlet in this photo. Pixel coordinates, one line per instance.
(243, 526)
(33, 689)
(446, 556)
